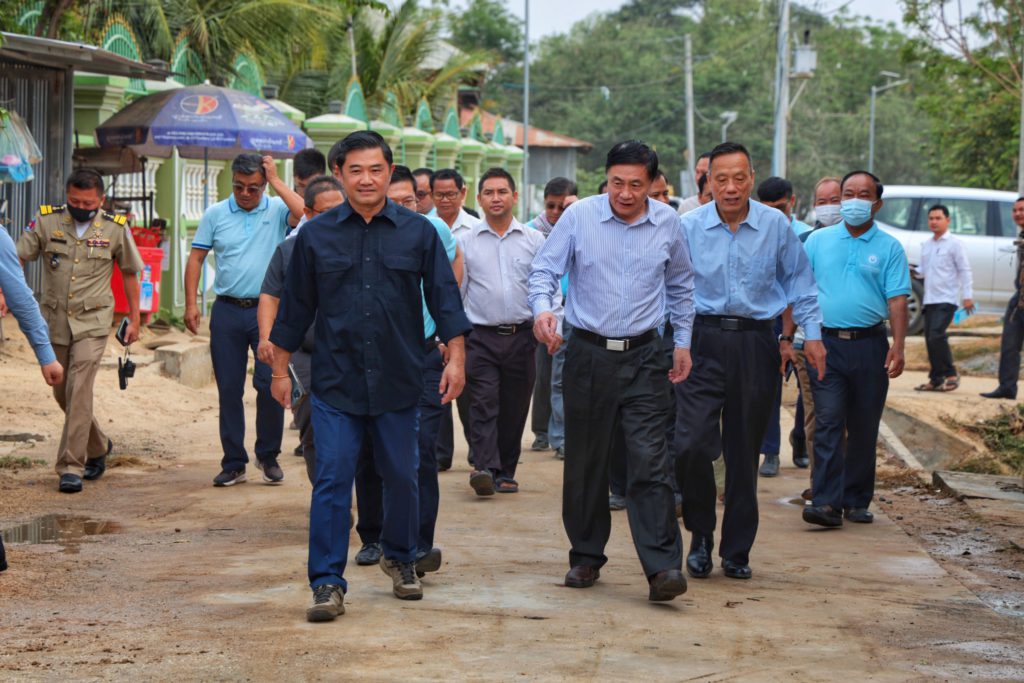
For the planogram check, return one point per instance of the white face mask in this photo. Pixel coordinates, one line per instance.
(827, 214)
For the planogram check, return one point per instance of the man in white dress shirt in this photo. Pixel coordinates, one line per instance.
(500, 354)
(947, 281)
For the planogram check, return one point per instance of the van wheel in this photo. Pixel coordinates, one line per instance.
(915, 308)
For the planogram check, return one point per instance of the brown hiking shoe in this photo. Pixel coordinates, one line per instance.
(328, 603)
(403, 574)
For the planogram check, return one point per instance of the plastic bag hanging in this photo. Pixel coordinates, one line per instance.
(18, 149)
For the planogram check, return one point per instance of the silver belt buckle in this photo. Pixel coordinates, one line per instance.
(845, 334)
(616, 344)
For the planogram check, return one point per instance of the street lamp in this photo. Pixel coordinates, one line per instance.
(728, 118)
(875, 90)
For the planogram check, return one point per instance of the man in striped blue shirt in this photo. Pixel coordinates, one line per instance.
(750, 268)
(627, 263)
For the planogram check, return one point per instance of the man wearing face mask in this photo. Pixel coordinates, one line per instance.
(863, 278)
(80, 244)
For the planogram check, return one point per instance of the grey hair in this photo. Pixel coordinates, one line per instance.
(247, 164)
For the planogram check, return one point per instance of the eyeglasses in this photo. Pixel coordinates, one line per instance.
(446, 196)
(422, 194)
(408, 202)
(241, 188)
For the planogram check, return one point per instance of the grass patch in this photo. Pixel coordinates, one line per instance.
(974, 347)
(1003, 435)
(19, 462)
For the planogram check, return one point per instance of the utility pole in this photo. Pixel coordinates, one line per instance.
(526, 110)
(1020, 151)
(781, 93)
(691, 145)
(875, 91)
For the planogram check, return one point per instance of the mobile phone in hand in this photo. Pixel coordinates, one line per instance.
(122, 330)
(298, 391)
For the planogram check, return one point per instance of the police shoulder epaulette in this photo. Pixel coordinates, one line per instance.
(118, 218)
(47, 209)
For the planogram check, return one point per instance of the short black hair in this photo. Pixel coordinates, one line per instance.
(85, 179)
(560, 187)
(1018, 199)
(308, 163)
(633, 152)
(319, 185)
(704, 155)
(940, 207)
(402, 174)
(701, 184)
(360, 139)
(661, 174)
(725, 148)
(447, 174)
(878, 183)
(247, 164)
(603, 187)
(774, 189)
(496, 172)
(422, 170)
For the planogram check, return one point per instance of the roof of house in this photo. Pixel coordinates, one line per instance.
(60, 53)
(514, 131)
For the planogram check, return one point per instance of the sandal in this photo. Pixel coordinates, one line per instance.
(950, 384)
(507, 486)
(928, 386)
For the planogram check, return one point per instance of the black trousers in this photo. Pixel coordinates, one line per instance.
(500, 371)
(303, 412)
(3, 555)
(606, 391)
(937, 318)
(723, 407)
(445, 447)
(541, 415)
(1009, 351)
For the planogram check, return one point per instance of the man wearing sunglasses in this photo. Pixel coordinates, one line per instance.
(243, 231)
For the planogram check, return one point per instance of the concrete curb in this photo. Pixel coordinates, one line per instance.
(894, 444)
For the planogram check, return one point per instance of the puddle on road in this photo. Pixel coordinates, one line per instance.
(66, 530)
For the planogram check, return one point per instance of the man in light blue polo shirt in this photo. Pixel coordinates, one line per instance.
(863, 278)
(243, 231)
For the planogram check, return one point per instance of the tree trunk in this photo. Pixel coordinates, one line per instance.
(50, 17)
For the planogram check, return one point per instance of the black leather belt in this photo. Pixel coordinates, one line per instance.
(613, 343)
(507, 329)
(241, 303)
(850, 333)
(727, 322)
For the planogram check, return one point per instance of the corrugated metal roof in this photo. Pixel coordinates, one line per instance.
(514, 131)
(59, 53)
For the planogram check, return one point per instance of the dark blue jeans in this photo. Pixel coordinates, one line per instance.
(369, 498)
(339, 437)
(848, 401)
(233, 332)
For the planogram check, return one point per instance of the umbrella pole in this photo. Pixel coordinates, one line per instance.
(206, 201)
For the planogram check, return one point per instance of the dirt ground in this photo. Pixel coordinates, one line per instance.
(199, 583)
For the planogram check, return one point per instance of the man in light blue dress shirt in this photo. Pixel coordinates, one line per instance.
(627, 264)
(863, 278)
(749, 267)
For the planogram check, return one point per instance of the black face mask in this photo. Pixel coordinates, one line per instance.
(82, 215)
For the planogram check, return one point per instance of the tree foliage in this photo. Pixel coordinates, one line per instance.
(488, 26)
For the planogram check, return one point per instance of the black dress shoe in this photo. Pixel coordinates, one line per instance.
(859, 515)
(822, 515)
(667, 584)
(70, 483)
(428, 561)
(698, 562)
(95, 467)
(736, 570)
(582, 576)
(999, 393)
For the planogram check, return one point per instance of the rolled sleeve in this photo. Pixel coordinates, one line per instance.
(679, 285)
(129, 260)
(963, 270)
(551, 263)
(799, 284)
(897, 273)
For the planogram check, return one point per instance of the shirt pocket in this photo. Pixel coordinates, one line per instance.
(337, 285)
(521, 269)
(98, 260)
(762, 272)
(401, 274)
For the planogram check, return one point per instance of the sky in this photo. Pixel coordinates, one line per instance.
(548, 17)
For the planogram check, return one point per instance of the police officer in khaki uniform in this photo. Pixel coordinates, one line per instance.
(79, 244)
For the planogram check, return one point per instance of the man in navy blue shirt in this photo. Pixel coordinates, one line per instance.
(357, 270)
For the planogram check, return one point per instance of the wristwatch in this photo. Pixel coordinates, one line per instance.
(786, 337)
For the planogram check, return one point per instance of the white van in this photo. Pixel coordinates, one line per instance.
(981, 219)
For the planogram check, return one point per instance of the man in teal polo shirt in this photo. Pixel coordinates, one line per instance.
(243, 231)
(863, 278)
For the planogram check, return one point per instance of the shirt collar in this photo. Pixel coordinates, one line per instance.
(484, 226)
(390, 211)
(608, 215)
(713, 220)
(235, 208)
(867, 236)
